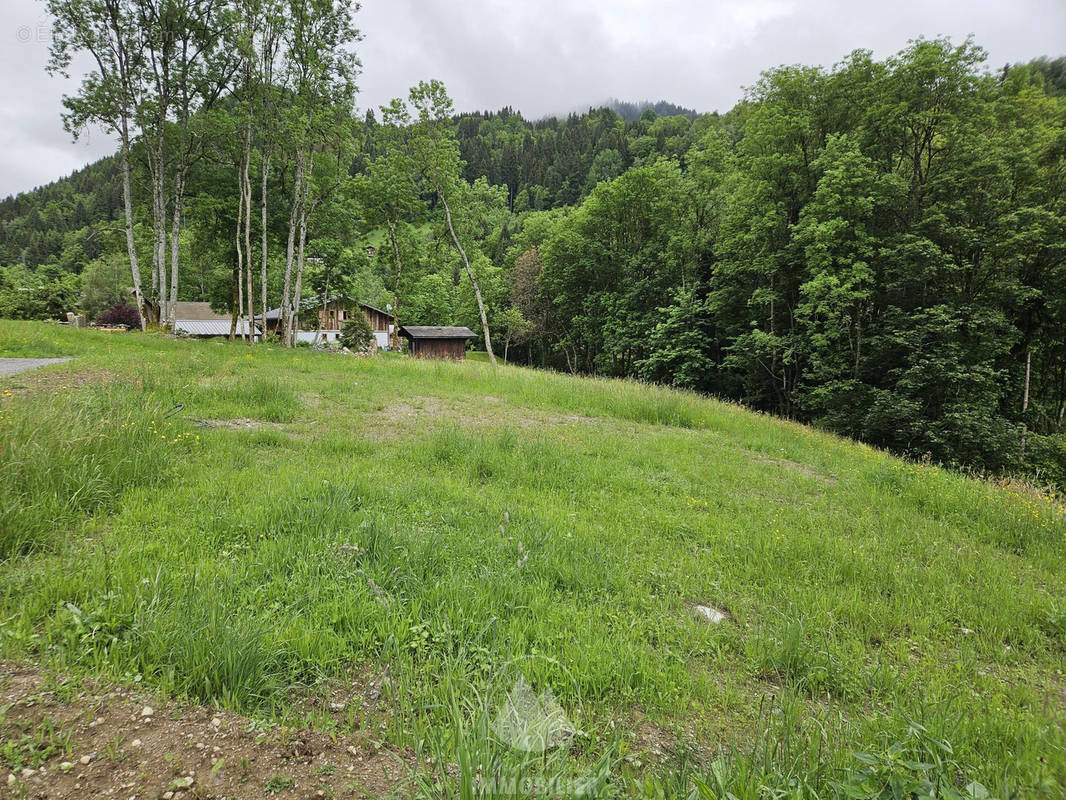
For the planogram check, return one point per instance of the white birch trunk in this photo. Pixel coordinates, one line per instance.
(127, 202)
(473, 280)
(290, 252)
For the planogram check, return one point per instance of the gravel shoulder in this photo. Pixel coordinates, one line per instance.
(13, 366)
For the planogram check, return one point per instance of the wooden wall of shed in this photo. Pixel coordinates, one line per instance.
(454, 349)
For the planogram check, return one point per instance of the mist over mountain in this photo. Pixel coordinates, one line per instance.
(629, 111)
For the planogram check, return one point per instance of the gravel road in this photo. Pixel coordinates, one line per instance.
(13, 366)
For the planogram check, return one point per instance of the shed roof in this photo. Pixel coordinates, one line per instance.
(436, 332)
(210, 327)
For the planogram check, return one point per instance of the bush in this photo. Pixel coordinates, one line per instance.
(47, 293)
(357, 333)
(121, 314)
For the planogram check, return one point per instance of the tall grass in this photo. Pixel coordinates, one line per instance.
(403, 530)
(69, 457)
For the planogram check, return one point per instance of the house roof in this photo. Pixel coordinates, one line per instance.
(210, 327)
(187, 310)
(275, 313)
(436, 332)
(378, 310)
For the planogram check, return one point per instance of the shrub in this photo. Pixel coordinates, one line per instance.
(357, 333)
(121, 314)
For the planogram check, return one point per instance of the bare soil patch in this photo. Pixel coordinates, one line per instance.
(240, 424)
(38, 383)
(793, 466)
(80, 739)
(419, 413)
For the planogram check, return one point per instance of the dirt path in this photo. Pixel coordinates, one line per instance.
(13, 366)
(81, 739)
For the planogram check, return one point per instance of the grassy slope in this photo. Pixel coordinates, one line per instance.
(499, 514)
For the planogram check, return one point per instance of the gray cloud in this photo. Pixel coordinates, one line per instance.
(553, 56)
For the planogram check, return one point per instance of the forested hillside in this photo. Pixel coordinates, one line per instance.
(878, 248)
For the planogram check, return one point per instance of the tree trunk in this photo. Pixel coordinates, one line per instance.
(239, 291)
(473, 280)
(305, 213)
(246, 196)
(263, 214)
(1028, 372)
(159, 235)
(235, 304)
(290, 252)
(131, 244)
(175, 246)
(394, 339)
(298, 291)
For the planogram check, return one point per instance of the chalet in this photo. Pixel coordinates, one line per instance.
(437, 341)
(199, 321)
(382, 322)
(326, 320)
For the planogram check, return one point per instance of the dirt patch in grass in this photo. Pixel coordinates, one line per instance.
(78, 739)
(35, 383)
(424, 413)
(241, 424)
(793, 466)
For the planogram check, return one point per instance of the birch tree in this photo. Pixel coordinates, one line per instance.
(179, 40)
(436, 153)
(320, 85)
(108, 32)
(388, 192)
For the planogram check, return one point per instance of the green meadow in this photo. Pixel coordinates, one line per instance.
(264, 529)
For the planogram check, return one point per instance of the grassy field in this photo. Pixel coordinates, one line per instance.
(309, 522)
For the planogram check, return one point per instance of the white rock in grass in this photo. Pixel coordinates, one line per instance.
(711, 615)
(11, 778)
(147, 711)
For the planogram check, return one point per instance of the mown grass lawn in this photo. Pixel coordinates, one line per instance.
(309, 521)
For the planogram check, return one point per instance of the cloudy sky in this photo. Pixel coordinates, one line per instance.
(553, 56)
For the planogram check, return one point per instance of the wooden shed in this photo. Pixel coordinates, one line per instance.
(437, 341)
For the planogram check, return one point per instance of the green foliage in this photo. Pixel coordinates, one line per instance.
(276, 784)
(879, 251)
(36, 747)
(878, 248)
(357, 333)
(104, 283)
(46, 294)
(918, 766)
